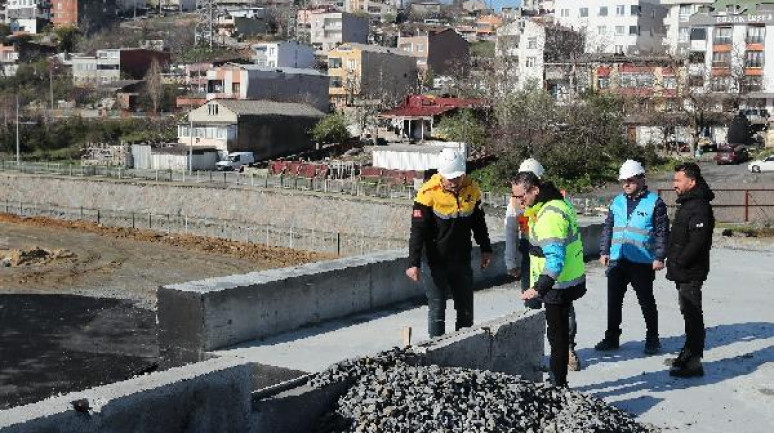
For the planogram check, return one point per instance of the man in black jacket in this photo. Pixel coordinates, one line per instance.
(688, 262)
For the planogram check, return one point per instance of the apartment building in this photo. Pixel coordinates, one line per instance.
(284, 54)
(360, 72)
(9, 59)
(729, 46)
(115, 64)
(440, 50)
(234, 81)
(615, 26)
(330, 29)
(677, 30)
(26, 16)
(93, 13)
(376, 9)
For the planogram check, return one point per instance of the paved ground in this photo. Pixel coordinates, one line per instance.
(737, 392)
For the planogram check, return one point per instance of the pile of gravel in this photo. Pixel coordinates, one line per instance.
(389, 393)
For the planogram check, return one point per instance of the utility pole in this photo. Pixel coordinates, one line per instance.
(18, 156)
(51, 88)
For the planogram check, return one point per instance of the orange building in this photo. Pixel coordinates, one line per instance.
(64, 13)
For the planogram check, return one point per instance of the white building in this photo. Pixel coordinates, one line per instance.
(334, 28)
(615, 26)
(676, 26)
(24, 15)
(284, 54)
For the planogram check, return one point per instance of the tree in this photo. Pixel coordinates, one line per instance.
(463, 127)
(154, 88)
(739, 130)
(331, 129)
(67, 38)
(428, 78)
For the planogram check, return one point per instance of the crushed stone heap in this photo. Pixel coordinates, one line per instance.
(390, 393)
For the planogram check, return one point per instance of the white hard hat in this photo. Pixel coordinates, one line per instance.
(451, 163)
(533, 166)
(629, 169)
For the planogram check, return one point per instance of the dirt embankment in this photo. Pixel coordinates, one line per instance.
(276, 256)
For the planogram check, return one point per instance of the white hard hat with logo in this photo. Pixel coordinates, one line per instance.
(629, 169)
(533, 166)
(451, 163)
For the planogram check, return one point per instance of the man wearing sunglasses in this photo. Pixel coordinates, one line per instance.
(633, 247)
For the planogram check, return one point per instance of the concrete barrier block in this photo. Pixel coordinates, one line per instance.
(296, 410)
(207, 397)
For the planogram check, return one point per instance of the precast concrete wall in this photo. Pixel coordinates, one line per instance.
(513, 344)
(207, 397)
(201, 316)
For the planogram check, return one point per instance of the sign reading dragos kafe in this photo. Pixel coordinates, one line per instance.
(719, 20)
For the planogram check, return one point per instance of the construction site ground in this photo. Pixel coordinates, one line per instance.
(77, 300)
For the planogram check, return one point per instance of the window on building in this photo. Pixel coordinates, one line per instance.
(723, 35)
(602, 11)
(696, 81)
(334, 62)
(601, 30)
(635, 10)
(753, 59)
(698, 34)
(752, 84)
(670, 82)
(530, 62)
(696, 57)
(603, 82)
(721, 84)
(634, 30)
(685, 11)
(620, 10)
(619, 49)
(684, 34)
(221, 133)
(532, 43)
(420, 48)
(721, 59)
(583, 12)
(755, 34)
(564, 13)
(620, 30)
(336, 82)
(351, 64)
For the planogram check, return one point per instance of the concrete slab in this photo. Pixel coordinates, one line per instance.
(736, 393)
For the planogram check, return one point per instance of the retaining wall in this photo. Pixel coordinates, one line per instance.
(207, 397)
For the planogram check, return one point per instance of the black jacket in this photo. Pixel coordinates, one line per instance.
(442, 223)
(660, 227)
(691, 237)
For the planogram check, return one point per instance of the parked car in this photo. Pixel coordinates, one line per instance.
(732, 155)
(235, 161)
(766, 164)
(707, 145)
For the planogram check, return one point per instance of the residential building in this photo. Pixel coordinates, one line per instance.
(677, 28)
(376, 9)
(90, 13)
(730, 43)
(233, 81)
(244, 22)
(333, 28)
(26, 16)
(546, 6)
(172, 5)
(372, 72)
(9, 59)
(416, 117)
(486, 26)
(615, 26)
(473, 6)
(115, 64)
(426, 9)
(269, 129)
(440, 50)
(284, 54)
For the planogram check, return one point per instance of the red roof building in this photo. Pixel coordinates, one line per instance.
(415, 118)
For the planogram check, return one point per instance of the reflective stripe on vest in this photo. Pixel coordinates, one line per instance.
(633, 234)
(544, 233)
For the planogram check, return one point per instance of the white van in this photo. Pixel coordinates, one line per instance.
(236, 160)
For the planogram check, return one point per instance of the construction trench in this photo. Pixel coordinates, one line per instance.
(487, 378)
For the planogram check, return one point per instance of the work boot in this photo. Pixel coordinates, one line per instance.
(607, 344)
(573, 363)
(677, 361)
(652, 346)
(690, 368)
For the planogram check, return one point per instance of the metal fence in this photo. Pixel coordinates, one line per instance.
(354, 186)
(338, 243)
(734, 205)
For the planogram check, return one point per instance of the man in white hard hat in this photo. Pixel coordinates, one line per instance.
(446, 210)
(517, 249)
(633, 247)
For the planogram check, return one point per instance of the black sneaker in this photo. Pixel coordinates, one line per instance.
(677, 361)
(690, 368)
(607, 344)
(652, 346)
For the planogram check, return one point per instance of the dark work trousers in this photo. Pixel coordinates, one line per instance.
(455, 279)
(641, 275)
(689, 295)
(535, 303)
(558, 330)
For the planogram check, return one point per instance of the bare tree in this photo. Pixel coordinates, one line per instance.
(153, 85)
